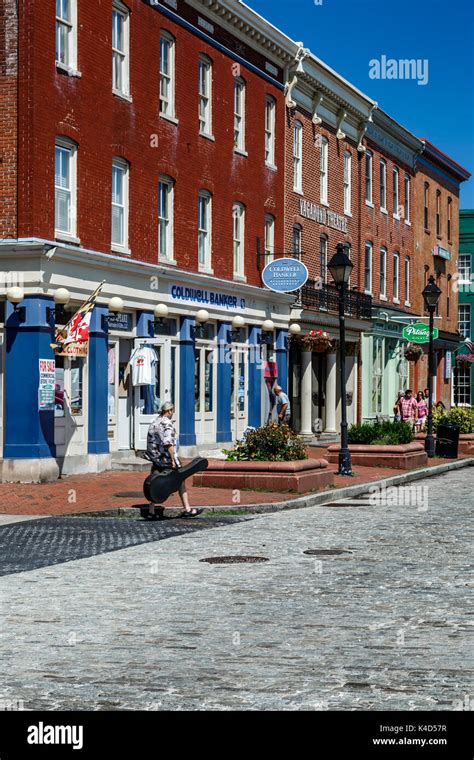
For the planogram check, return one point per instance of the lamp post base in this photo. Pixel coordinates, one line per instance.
(430, 446)
(345, 464)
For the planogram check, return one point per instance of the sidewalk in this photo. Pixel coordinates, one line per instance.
(93, 493)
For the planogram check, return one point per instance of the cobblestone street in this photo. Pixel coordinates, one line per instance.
(381, 625)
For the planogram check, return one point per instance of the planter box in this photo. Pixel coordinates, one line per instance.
(405, 456)
(466, 442)
(302, 476)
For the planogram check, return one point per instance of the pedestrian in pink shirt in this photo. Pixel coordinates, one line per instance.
(422, 407)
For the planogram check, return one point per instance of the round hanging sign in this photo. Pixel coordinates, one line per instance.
(285, 275)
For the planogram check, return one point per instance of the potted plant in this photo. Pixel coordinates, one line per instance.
(464, 361)
(316, 340)
(413, 352)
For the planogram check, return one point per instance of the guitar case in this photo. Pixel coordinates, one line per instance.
(159, 486)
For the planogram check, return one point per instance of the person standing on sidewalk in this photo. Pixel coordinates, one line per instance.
(422, 410)
(283, 405)
(162, 451)
(408, 408)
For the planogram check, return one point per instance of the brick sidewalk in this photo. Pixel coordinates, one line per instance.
(91, 493)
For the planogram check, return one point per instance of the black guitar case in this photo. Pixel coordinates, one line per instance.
(160, 485)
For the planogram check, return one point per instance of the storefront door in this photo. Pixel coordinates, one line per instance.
(149, 398)
(70, 428)
(239, 392)
(205, 393)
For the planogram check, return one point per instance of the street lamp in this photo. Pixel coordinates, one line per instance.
(341, 267)
(431, 295)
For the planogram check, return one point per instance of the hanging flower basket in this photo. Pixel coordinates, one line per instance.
(316, 340)
(464, 361)
(413, 352)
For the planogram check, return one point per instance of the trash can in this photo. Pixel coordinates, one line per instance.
(447, 440)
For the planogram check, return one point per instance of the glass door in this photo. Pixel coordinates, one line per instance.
(205, 401)
(239, 392)
(151, 377)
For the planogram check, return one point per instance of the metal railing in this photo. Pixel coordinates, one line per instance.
(326, 298)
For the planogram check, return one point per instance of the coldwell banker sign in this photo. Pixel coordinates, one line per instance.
(285, 275)
(419, 333)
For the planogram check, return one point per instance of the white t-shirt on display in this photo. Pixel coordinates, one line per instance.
(143, 362)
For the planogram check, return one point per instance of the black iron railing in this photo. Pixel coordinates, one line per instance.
(358, 305)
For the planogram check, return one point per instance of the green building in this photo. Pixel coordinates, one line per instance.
(464, 377)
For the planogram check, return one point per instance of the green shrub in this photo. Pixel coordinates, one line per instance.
(270, 443)
(386, 433)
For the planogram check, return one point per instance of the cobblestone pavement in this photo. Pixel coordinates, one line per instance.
(382, 625)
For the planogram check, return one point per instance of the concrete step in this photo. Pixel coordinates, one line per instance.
(132, 464)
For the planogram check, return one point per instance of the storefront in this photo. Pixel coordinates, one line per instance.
(168, 335)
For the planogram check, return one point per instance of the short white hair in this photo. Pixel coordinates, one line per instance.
(166, 407)
(278, 388)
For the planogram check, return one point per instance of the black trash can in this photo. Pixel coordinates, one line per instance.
(447, 440)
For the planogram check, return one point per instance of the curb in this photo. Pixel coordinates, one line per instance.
(312, 500)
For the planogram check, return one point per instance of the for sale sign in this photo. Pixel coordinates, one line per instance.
(47, 373)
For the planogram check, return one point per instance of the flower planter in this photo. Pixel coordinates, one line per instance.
(413, 352)
(316, 340)
(301, 476)
(466, 442)
(405, 456)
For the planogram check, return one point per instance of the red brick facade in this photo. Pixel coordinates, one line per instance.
(8, 118)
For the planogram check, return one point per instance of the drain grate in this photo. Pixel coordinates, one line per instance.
(238, 559)
(316, 552)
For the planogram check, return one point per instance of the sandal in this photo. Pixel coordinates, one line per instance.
(158, 514)
(192, 513)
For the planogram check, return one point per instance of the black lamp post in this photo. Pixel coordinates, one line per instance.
(431, 295)
(341, 267)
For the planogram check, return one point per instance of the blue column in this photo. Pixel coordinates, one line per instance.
(145, 324)
(187, 427)
(29, 433)
(224, 377)
(282, 358)
(255, 378)
(98, 382)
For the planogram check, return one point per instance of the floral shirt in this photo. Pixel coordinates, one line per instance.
(161, 435)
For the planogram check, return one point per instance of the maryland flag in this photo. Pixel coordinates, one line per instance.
(73, 339)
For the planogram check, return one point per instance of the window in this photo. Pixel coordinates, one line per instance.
(205, 96)
(377, 375)
(464, 320)
(368, 176)
(396, 276)
(463, 386)
(395, 191)
(119, 204)
(66, 26)
(449, 217)
(269, 238)
(438, 213)
(383, 273)
(298, 157)
(407, 198)
(77, 385)
(426, 201)
(239, 114)
(368, 268)
(270, 114)
(120, 48)
(297, 235)
(383, 185)
(65, 187)
(165, 218)
(167, 74)
(464, 267)
(204, 230)
(238, 214)
(323, 171)
(347, 182)
(323, 258)
(407, 280)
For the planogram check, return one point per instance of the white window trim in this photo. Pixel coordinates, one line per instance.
(123, 247)
(323, 171)
(270, 131)
(298, 157)
(468, 281)
(206, 267)
(119, 7)
(207, 63)
(68, 235)
(467, 307)
(240, 118)
(171, 114)
(269, 244)
(407, 207)
(348, 183)
(369, 161)
(239, 273)
(367, 245)
(395, 192)
(167, 259)
(383, 294)
(407, 280)
(396, 258)
(71, 66)
(383, 206)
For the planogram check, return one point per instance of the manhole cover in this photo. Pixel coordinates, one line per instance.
(313, 552)
(233, 560)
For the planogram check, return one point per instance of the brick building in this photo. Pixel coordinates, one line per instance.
(142, 144)
(463, 380)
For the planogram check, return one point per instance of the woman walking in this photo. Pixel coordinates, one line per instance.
(422, 406)
(162, 451)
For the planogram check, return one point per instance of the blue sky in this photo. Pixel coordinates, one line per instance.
(347, 34)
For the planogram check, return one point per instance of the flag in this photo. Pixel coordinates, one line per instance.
(73, 339)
